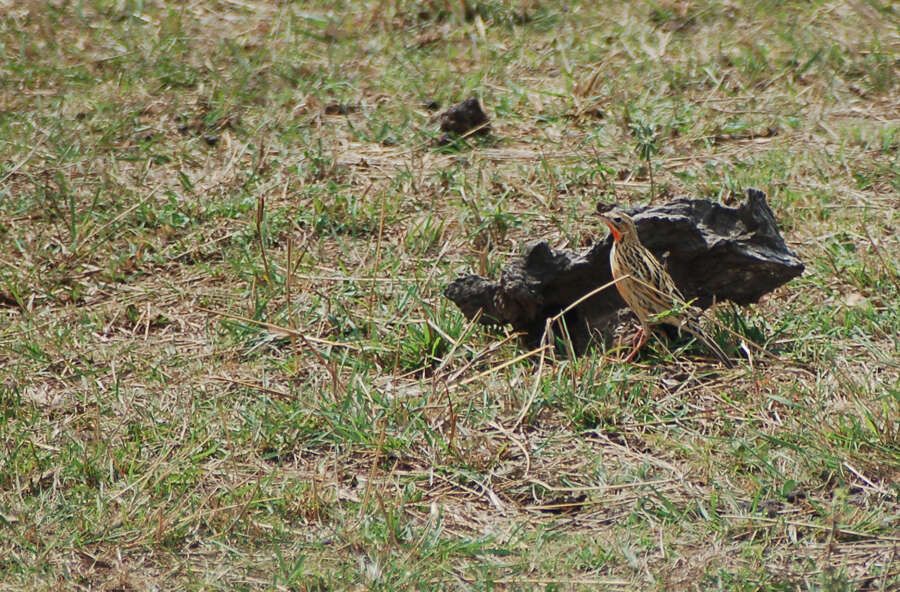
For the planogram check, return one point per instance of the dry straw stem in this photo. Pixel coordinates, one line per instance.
(834, 528)
(286, 331)
(337, 384)
(545, 346)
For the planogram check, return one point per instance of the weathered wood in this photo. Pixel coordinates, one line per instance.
(713, 252)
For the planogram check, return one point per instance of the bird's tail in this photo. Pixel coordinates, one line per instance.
(694, 328)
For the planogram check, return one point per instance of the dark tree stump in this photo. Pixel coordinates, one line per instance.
(713, 252)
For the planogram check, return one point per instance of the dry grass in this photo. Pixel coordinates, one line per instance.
(226, 362)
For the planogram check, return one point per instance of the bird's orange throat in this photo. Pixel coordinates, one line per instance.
(617, 236)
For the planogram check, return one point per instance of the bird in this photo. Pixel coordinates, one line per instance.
(647, 288)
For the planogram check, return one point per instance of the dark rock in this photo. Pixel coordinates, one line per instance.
(339, 109)
(462, 118)
(713, 252)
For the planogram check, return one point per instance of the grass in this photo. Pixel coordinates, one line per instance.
(225, 360)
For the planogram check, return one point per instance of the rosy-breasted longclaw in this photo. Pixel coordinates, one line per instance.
(647, 288)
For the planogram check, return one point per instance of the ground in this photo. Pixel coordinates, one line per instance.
(225, 357)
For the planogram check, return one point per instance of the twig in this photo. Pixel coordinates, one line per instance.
(881, 258)
(509, 434)
(260, 208)
(94, 233)
(283, 330)
(490, 371)
(290, 308)
(378, 450)
(22, 162)
(455, 343)
(254, 386)
(813, 526)
(373, 293)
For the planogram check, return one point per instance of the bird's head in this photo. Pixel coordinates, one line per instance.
(620, 224)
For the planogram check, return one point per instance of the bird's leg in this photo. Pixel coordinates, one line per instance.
(640, 338)
(637, 336)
